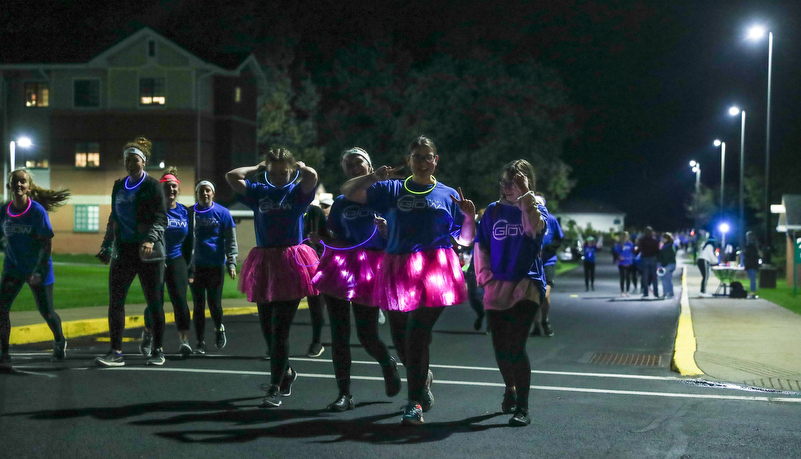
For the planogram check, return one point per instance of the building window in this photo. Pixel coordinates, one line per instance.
(87, 93)
(617, 221)
(87, 218)
(151, 91)
(87, 154)
(37, 95)
(238, 94)
(151, 48)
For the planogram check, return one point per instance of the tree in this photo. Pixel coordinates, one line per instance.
(702, 207)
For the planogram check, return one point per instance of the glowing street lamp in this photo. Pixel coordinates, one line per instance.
(722, 146)
(724, 229)
(23, 142)
(734, 111)
(696, 167)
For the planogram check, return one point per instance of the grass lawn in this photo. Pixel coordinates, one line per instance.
(83, 281)
(782, 295)
(565, 266)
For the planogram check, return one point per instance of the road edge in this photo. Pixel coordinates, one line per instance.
(683, 361)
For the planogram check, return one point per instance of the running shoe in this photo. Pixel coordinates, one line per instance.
(185, 350)
(412, 414)
(221, 338)
(59, 350)
(520, 418)
(382, 319)
(546, 328)
(428, 396)
(158, 357)
(392, 381)
(509, 404)
(342, 403)
(315, 350)
(146, 345)
(112, 359)
(268, 356)
(286, 383)
(273, 398)
(536, 331)
(200, 348)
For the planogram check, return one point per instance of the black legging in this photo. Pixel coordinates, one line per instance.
(316, 312)
(207, 284)
(703, 266)
(176, 278)
(276, 318)
(122, 273)
(625, 275)
(474, 294)
(509, 333)
(43, 295)
(411, 334)
(366, 331)
(635, 271)
(589, 274)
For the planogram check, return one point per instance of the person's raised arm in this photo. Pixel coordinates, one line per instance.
(308, 177)
(236, 177)
(468, 230)
(355, 189)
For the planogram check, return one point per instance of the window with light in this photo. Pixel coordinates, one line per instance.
(87, 155)
(151, 91)
(37, 95)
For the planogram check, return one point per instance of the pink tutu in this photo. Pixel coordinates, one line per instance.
(431, 278)
(278, 273)
(349, 274)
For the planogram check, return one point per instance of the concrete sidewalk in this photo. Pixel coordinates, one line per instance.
(743, 341)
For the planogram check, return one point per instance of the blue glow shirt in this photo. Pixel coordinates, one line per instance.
(416, 222)
(177, 230)
(125, 208)
(589, 252)
(552, 228)
(278, 212)
(25, 233)
(625, 253)
(355, 223)
(211, 224)
(514, 256)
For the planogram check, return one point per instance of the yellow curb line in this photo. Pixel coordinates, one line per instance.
(684, 349)
(39, 333)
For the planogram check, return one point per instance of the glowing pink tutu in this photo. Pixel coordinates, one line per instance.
(278, 273)
(349, 274)
(431, 278)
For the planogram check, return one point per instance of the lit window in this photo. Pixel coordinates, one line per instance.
(87, 218)
(87, 154)
(87, 93)
(151, 91)
(37, 95)
(238, 94)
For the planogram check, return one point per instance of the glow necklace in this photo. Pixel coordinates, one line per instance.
(127, 180)
(297, 174)
(30, 201)
(406, 182)
(204, 211)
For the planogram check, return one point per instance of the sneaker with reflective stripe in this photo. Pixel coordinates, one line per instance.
(158, 358)
(412, 415)
(286, 384)
(273, 398)
(146, 345)
(200, 348)
(315, 350)
(222, 340)
(112, 359)
(59, 350)
(546, 329)
(185, 350)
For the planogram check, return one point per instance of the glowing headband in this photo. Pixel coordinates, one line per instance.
(169, 178)
(360, 152)
(205, 182)
(134, 151)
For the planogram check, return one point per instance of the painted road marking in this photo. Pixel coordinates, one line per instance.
(685, 345)
(488, 384)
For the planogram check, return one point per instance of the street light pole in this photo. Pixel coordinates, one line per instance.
(722, 170)
(696, 167)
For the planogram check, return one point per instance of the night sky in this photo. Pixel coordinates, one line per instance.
(651, 80)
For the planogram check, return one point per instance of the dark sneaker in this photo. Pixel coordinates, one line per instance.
(112, 359)
(428, 396)
(268, 356)
(158, 358)
(412, 415)
(477, 324)
(286, 384)
(146, 345)
(536, 331)
(185, 350)
(342, 403)
(200, 348)
(59, 351)
(222, 340)
(392, 380)
(546, 329)
(273, 398)
(315, 350)
(520, 418)
(509, 404)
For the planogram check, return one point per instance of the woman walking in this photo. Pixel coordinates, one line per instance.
(667, 259)
(624, 256)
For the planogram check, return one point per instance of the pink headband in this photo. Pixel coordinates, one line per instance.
(169, 178)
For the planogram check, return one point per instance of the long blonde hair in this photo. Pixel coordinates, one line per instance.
(49, 199)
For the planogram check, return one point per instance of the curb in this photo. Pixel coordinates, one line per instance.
(683, 361)
(40, 333)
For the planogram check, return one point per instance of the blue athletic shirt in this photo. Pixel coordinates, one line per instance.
(551, 227)
(177, 230)
(355, 223)
(625, 254)
(25, 233)
(514, 256)
(589, 253)
(416, 222)
(211, 225)
(278, 212)
(125, 207)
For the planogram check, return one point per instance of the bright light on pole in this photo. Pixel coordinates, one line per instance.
(756, 32)
(24, 142)
(724, 229)
(696, 167)
(722, 146)
(734, 111)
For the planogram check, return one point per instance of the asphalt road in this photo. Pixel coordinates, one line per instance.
(580, 405)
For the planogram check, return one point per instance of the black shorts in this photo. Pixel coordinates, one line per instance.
(550, 273)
